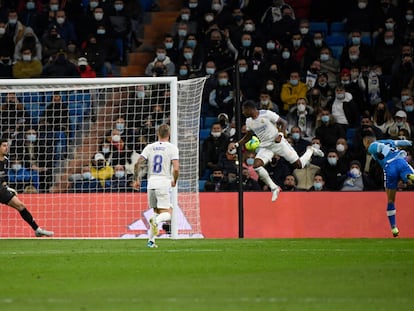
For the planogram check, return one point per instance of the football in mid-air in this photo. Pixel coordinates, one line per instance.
(252, 144)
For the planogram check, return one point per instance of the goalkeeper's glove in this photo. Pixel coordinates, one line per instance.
(11, 190)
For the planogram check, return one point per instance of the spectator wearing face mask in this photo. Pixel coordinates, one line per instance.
(101, 170)
(221, 99)
(318, 183)
(214, 145)
(400, 122)
(344, 109)
(302, 116)
(85, 182)
(248, 164)
(328, 130)
(162, 61)
(292, 90)
(289, 183)
(84, 69)
(27, 67)
(408, 107)
(356, 180)
(20, 177)
(334, 170)
(249, 183)
(119, 181)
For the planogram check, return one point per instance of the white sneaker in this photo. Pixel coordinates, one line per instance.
(275, 193)
(41, 232)
(154, 227)
(317, 152)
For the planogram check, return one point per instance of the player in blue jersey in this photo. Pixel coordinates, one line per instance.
(395, 167)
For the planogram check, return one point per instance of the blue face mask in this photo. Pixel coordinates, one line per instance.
(325, 119)
(119, 174)
(168, 45)
(183, 72)
(223, 81)
(210, 71)
(246, 43)
(295, 136)
(242, 69)
(294, 82)
(332, 161)
(249, 161)
(409, 108)
(317, 185)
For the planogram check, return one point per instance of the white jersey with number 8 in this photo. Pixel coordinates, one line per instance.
(159, 156)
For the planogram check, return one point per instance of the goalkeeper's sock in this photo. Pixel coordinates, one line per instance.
(306, 157)
(25, 214)
(264, 176)
(163, 217)
(391, 214)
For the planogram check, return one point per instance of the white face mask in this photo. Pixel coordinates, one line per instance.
(119, 174)
(105, 150)
(27, 58)
(355, 172)
(301, 107)
(60, 20)
(98, 16)
(316, 146)
(216, 134)
(2, 30)
(269, 87)
(87, 175)
(116, 138)
(340, 148)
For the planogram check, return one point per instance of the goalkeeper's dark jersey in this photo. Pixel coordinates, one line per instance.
(4, 166)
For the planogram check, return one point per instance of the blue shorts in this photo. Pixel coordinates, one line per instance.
(395, 171)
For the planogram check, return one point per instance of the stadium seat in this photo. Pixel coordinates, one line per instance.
(338, 40)
(201, 184)
(350, 133)
(204, 133)
(318, 26)
(365, 39)
(208, 121)
(338, 27)
(336, 51)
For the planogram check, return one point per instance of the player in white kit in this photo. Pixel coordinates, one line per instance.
(269, 127)
(162, 163)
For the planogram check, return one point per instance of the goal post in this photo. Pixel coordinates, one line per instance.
(58, 130)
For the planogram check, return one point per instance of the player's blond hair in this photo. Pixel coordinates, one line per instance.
(164, 131)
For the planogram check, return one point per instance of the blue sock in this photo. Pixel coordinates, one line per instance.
(391, 214)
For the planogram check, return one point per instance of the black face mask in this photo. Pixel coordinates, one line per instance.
(82, 68)
(216, 178)
(159, 71)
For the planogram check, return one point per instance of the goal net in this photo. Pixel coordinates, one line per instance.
(73, 144)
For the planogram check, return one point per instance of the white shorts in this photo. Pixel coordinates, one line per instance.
(282, 149)
(159, 198)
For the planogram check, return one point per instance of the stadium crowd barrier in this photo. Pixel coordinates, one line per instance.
(293, 215)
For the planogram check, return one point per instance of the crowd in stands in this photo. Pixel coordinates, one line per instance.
(334, 77)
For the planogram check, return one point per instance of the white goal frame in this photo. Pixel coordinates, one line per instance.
(35, 85)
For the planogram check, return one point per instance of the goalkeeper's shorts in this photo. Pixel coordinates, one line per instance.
(6, 195)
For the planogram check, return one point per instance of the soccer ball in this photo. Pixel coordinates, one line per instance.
(252, 144)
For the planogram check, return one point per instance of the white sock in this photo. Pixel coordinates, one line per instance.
(264, 175)
(306, 157)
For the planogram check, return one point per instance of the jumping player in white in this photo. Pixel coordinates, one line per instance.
(269, 127)
(9, 197)
(162, 161)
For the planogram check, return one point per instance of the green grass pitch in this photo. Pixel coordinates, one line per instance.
(207, 274)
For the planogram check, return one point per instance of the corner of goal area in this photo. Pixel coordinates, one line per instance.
(142, 224)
